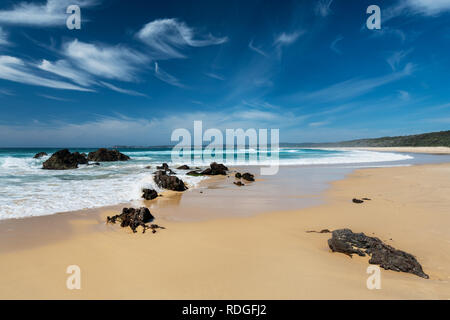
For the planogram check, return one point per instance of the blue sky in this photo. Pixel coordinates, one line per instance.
(137, 70)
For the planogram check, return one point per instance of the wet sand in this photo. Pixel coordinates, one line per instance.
(242, 256)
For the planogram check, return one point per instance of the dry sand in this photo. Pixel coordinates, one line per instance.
(267, 256)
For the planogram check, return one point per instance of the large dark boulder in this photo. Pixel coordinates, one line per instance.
(163, 180)
(387, 257)
(40, 155)
(215, 169)
(105, 155)
(64, 160)
(149, 194)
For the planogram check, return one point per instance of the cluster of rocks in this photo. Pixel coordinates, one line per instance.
(387, 257)
(214, 169)
(65, 160)
(134, 218)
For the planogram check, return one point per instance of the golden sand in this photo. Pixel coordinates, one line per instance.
(265, 256)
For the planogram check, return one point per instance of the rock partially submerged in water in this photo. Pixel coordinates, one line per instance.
(105, 155)
(215, 169)
(165, 167)
(387, 257)
(40, 155)
(194, 173)
(134, 218)
(163, 180)
(149, 194)
(239, 184)
(184, 167)
(64, 160)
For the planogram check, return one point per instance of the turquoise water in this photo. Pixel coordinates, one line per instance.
(28, 190)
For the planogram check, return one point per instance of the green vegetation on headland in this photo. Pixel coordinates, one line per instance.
(432, 139)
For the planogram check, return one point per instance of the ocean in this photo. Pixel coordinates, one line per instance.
(27, 190)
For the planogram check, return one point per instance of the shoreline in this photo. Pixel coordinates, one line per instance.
(264, 256)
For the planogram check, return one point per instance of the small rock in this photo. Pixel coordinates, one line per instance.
(248, 176)
(357, 201)
(40, 155)
(239, 183)
(149, 194)
(183, 167)
(238, 175)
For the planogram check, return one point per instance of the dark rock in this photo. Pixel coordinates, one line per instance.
(366, 199)
(184, 167)
(248, 176)
(215, 169)
(133, 218)
(239, 184)
(321, 231)
(148, 167)
(164, 166)
(194, 173)
(169, 182)
(105, 155)
(387, 257)
(64, 160)
(149, 194)
(40, 155)
(357, 201)
(238, 175)
(94, 164)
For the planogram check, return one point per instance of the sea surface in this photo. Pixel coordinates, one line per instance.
(27, 190)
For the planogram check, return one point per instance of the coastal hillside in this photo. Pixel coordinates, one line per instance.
(432, 139)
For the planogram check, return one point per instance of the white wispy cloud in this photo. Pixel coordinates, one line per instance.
(17, 70)
(3, 37)
(64, 69)
(168, 78)
(333, 45)
(166, 38)
(110, 62)
(121, 90)
(214, 76)
(50, 13)
(352, 88)
(404, 95)
(47, 96)
(257, 49)
(395, 59)
(416, 7)
(322, 7)
(285, 39)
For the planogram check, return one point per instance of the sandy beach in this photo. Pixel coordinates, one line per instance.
(263, 256)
